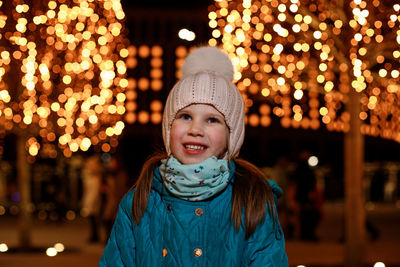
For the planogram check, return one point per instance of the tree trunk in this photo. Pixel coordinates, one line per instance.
(3, 181)
(24, 185)
(354, 193)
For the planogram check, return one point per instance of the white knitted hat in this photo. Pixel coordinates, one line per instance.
(207, 76)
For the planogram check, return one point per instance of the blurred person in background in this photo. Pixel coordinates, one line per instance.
(306, 200)
(92, 175)
(279, 172)
(115, 187)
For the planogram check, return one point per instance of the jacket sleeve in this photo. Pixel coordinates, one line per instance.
(266, 247)
(120, 249)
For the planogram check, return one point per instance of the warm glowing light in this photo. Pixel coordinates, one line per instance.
(57, 72)
(323, 111)
(187, 35)
(289, 53)
(3, 247)
(265, 92)
(51, 252)
(312, 161)
(85, 144)
(59, 247)
(280, 81)
(298, 94)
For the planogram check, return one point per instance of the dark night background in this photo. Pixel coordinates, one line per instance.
(157, 23)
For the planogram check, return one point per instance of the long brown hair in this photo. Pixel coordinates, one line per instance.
(143, 186)
(251, 190)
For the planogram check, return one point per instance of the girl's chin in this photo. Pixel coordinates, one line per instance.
(192, 159)
(186, 156)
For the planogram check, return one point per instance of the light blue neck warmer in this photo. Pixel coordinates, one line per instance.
(195, 182)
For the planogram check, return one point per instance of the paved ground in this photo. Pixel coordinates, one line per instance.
(329, 251)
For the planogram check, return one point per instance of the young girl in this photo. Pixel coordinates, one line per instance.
(198, 204)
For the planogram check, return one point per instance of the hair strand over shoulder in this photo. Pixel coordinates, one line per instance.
(143, 186)
(251, 191)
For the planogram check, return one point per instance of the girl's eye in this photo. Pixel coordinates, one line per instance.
(184, 116)
(213, 120)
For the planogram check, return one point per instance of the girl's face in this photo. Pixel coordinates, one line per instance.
(198, 132)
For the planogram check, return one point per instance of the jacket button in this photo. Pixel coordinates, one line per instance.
(199, 211)
(169, 207)
(164, 252)
(197, 252)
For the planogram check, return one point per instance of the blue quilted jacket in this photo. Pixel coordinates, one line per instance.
(175, 232)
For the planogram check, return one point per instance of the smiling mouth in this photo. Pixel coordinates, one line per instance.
(194, 147)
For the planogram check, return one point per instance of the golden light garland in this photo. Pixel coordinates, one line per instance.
(298, 60)
(141, 83)
(63, 73)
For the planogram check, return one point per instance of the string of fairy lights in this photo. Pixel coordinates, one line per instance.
(152, 81)
(298, 60)
(63, 74)
(149, 84)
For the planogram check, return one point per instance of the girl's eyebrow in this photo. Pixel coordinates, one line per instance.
(215, 114)
(205, 113)
(212, 114)
(182, 111)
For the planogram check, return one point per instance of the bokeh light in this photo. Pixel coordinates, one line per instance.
(51, 252)
(62, 73)
(297, 58)
(3, 247)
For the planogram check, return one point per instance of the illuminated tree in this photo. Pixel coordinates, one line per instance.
(317, 62)
(62, 78)
(301, 58)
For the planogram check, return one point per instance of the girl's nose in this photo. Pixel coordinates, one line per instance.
(195, 129)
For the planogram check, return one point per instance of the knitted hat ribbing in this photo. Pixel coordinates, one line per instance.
(207, 76)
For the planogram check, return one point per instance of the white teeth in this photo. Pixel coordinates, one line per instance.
(194, 147)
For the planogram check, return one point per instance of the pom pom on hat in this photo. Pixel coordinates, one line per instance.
(207, 76)
(208, 59)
